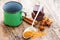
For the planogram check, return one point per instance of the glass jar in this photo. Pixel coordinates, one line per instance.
(40, 15)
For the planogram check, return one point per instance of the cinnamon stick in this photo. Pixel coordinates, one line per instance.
(29, 20)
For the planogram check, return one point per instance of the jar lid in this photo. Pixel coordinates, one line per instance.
(36, 7)
(12, 6)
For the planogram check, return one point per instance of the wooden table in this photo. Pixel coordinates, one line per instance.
(8, 33)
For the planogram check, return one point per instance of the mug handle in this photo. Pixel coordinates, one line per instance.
(25, 14)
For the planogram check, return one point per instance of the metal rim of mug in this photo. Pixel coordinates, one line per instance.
(14, 2)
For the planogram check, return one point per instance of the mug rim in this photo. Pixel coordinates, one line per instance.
(12, 2)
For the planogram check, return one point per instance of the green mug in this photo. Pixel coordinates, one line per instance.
(13, 13)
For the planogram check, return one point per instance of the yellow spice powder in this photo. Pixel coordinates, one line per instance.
(33, 34)
(38, 34)
(28, 34)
